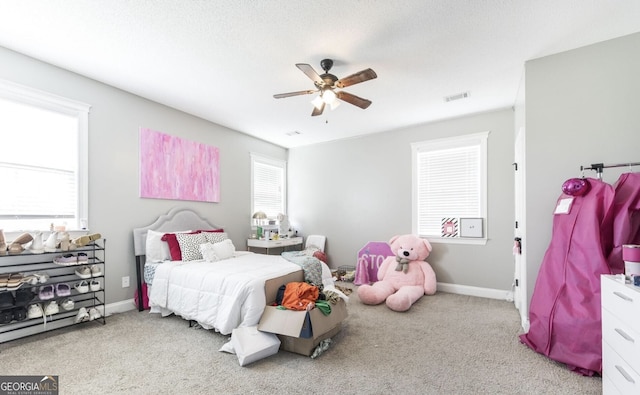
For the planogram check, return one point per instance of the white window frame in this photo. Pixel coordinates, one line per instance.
(37, 98)
(477, 139)
(281, 164)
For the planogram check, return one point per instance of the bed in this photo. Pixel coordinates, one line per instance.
(218, 294)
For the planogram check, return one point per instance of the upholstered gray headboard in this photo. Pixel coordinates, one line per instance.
(175, 220)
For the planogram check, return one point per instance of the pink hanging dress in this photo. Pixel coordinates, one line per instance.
(564, 315)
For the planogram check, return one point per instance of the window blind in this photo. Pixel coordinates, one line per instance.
(268, 188)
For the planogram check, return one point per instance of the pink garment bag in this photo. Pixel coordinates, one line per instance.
(626, 223)
(564, 315)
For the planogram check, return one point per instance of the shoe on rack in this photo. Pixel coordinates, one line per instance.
(24, 296)
(17, 246)
(86, 239)
(96, 271)
(52, 242)
(63, 289)
(6, 316)
(83, 272)
(3, 243)
(82, 287)
(37, 245)
(66, 260)
(34, 311)
(94, 285)
(94, 314)
(82, 315)
(65, 243)
(19, 314)
(15, 281)
(6, 300)
(51, 308)
(46, 292)
(41, 278)
(67, 304)
(4, 279)
(83, 258)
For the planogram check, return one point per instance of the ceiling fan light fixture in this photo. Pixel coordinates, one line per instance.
(318, 102)
(329, 96)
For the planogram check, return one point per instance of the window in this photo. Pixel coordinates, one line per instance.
(43, 160)
(268, 186)
(449, 181)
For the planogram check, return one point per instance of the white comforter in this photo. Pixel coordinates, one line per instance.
(220, 295)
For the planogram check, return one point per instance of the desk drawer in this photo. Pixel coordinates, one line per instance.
(622, 300)
(621, 338)
(619, 371)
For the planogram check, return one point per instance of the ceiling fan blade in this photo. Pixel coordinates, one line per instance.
(317, 111)
(310, 72)
(361, 76)
(353, 99)
(281, 95)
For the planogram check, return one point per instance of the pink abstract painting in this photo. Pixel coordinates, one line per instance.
(175, 168)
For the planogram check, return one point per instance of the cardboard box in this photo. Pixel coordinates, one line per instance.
(251, 345)
(301, 331)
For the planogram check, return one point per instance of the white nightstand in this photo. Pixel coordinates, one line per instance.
(269, 244)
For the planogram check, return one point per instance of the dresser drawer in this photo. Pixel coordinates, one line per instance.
(621, 338)
(622, 300)
(619, 372)
(608, 388)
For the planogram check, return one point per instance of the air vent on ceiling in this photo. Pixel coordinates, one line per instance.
(294, 133)
(457, 96)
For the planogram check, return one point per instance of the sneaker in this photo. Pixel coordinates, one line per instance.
(94, 314)
(51, 308)
(82, 315)
(82, 287)
(83, 258)
(96, 270)
(6, 316)
(63, 289)
(83, 272)
(19, 314)
(68, 304)
(46, 292)
(94, 285)
(34, 311)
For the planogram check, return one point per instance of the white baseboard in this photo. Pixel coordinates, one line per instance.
(120, 307)
(476, 291)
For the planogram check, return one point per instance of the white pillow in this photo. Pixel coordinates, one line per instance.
(224, 249)
(208, 253)
(156, 249)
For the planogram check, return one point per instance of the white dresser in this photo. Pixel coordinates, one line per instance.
(620, 337)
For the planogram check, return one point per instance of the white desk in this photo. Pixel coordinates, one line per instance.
(269, 244)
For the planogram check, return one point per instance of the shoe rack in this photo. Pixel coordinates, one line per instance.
(32, 269)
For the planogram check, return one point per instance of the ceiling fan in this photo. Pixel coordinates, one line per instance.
(327, 83)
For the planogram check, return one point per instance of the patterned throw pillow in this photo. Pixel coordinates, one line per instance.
(215, 237)
(190, 245)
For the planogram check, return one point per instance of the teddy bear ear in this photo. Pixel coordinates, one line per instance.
(394, 238)
(427, 244)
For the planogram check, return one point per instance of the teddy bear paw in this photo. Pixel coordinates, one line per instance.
(399, 302)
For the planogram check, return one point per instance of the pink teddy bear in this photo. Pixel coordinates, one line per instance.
(403, 278)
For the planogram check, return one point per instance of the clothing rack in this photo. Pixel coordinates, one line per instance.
(598, 167)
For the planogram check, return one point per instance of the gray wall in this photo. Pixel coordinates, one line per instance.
(582, 107)
(115, 117)
(359, 190)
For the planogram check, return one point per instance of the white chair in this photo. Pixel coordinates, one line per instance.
(316, 241)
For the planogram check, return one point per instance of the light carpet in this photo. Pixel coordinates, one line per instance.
(445, 344)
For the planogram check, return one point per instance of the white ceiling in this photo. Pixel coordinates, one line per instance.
(223, 60)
